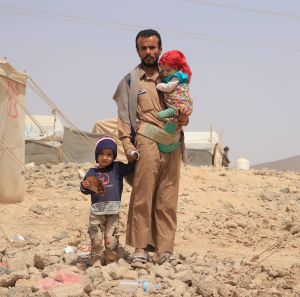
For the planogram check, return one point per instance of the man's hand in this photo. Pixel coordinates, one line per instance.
(135, 155)
(132, 154)
(183, 116)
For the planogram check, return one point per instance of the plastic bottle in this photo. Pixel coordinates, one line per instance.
(132, 285)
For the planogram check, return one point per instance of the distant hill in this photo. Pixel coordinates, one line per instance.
(292, 163)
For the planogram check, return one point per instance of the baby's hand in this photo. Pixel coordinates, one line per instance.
(86, 184)
(135, 155)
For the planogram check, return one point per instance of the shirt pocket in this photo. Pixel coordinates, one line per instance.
(144, 101)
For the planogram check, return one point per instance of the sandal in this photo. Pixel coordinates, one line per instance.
(140, 260)
(165, 257)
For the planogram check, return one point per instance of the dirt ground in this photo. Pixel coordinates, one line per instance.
(237, 235)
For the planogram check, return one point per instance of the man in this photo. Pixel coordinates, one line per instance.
(225, 159)
(152, 210)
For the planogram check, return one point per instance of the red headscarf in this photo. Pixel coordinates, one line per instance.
(176, 60)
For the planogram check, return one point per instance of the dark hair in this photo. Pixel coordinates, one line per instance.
(148, 33)
(226, 148)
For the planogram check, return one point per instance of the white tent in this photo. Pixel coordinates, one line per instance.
(49, 128)
(202, 148)
(48, 141)
(43, 139)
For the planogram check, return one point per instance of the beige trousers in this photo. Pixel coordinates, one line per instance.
(152, 210)
(103, 229)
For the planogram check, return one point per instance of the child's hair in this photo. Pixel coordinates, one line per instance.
(103, 143)
(176, 60)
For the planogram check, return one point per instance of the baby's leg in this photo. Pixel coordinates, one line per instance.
(166, 113)
(96, 234)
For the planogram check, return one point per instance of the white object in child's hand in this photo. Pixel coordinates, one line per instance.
(80, 173)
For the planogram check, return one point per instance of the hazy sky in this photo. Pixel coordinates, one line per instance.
(244, 55)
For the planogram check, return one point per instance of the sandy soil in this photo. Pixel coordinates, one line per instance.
(238, 234)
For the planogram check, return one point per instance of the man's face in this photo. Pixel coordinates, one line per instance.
(148, 50)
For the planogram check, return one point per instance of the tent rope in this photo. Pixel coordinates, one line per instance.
(32, 117)
(33, 85)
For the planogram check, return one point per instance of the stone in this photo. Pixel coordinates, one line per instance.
(41, 260)
(10, 279)
(205, 288)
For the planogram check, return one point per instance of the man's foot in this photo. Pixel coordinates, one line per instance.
(140, 259)
(165, 257)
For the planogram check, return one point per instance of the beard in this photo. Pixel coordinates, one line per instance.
(152, 63)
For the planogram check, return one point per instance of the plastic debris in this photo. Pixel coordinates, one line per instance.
(17, 237)
(68, 250)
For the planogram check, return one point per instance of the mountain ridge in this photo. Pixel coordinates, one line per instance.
(291, 163)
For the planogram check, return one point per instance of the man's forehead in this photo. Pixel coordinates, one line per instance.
(148, 40)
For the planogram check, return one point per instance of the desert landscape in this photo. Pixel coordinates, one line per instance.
(237, 235)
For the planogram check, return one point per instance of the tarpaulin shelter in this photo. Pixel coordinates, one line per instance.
(78, 146)
(52, 142)
(12, 101)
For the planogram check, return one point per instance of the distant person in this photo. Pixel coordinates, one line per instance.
(225, 159)
(175, 76)
(104, 183)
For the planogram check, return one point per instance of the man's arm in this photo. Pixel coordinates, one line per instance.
(124, 128)
(124, 133)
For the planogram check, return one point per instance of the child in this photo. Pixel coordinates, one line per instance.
(105, 199)
(176, 75)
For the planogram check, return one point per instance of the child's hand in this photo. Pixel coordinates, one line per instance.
(86, 184)
(94, 184)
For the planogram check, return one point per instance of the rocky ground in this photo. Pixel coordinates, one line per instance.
(238, 235)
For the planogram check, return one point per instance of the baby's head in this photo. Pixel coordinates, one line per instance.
(173, 61)
(105, 151)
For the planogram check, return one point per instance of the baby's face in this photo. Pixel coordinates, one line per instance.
(166, 70)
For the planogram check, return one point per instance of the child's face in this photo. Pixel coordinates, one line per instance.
(166, 70)
(105, 158)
